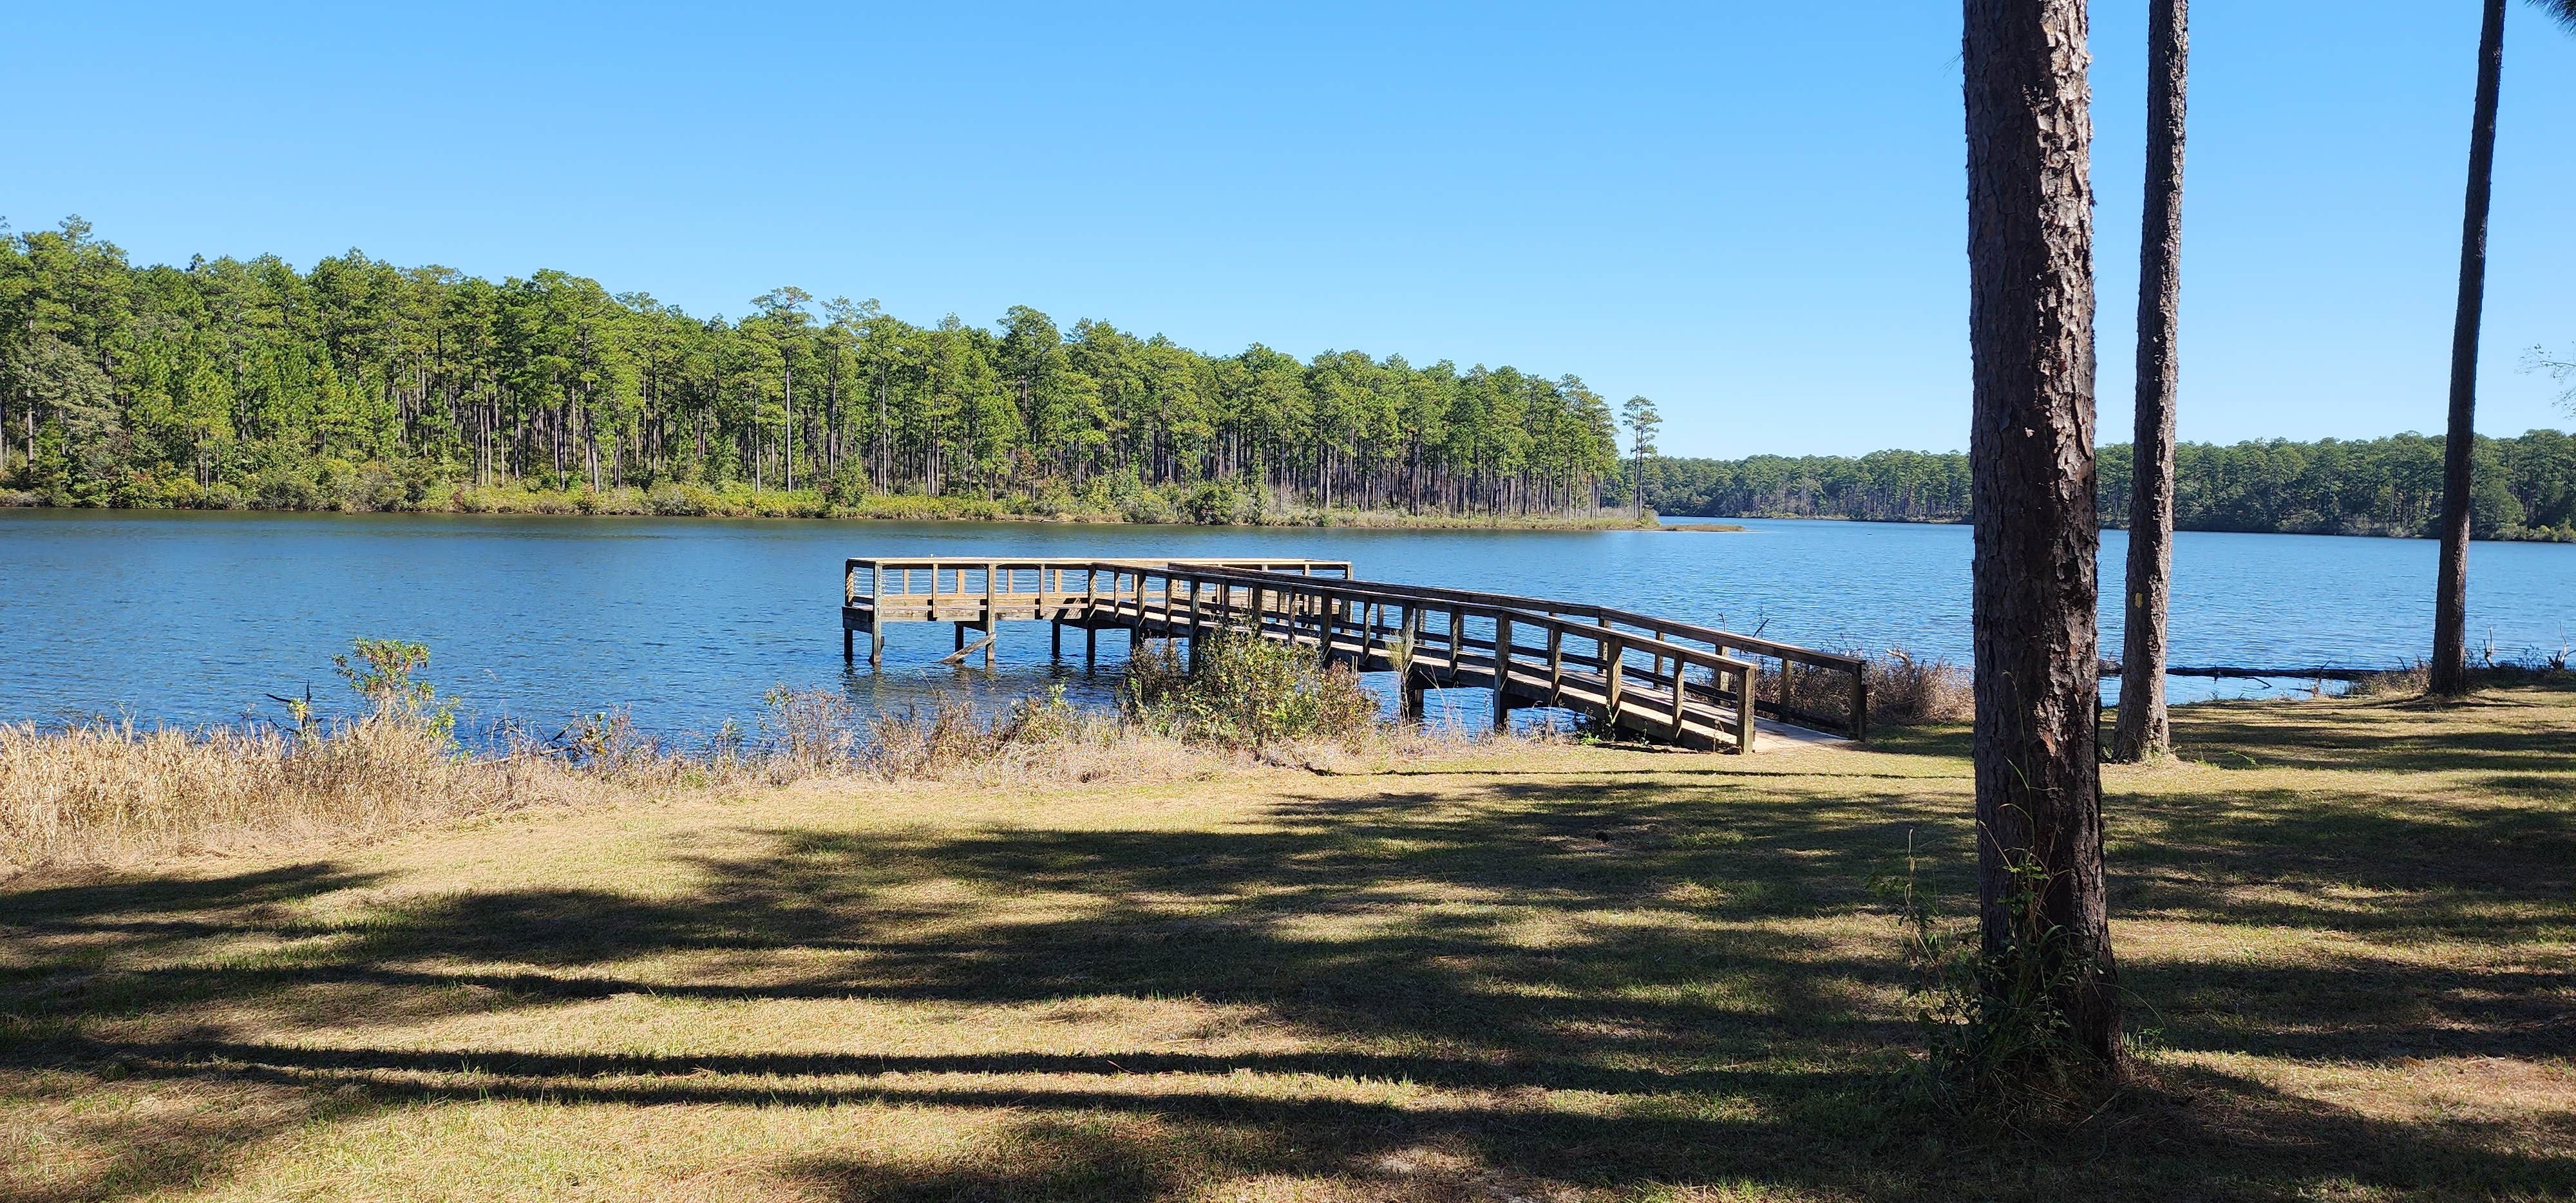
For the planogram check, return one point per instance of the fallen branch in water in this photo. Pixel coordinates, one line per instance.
(2111, 668)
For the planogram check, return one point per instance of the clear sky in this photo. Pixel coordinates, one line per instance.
(1752, 213)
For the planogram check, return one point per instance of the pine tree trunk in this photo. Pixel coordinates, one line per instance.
(2030, 260)
(2144, 730)
(2450, 669)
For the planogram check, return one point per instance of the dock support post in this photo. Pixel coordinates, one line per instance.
(1327, 617)
(1502, 672)
(1613, 664)
(1090, 648)
(1198, 618)
(1408, 693)
(876, 614)
(1055, 636)
(1745, 719)
(849, 645)
(1457, 641)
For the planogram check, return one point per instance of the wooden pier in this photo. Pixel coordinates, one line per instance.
(1662, 680)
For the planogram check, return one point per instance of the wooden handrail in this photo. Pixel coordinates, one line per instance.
(1405, 594)
(1006, 570)
(1328, 605)
(1857, 669)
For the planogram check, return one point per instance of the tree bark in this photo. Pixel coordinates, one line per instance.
(2450, 669)
(2030, 261)
(2144, 731)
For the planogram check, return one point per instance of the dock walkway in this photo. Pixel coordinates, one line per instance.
(1657, 679)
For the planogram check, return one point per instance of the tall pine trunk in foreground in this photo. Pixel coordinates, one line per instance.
(2144, 732)
(2451, 589)
(2030, 326)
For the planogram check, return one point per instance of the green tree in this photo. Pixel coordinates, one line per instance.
(2450, 674)
(2144, 730)
(2030, 264)
(1643, 420)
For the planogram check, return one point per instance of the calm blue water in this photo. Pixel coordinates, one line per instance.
(191, 618)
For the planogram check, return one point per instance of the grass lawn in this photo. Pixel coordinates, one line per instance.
(1565, 974)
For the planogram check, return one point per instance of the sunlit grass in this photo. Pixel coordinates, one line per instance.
(1533, 972)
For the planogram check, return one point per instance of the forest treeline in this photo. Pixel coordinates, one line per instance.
(2526, 486)
(358, 384)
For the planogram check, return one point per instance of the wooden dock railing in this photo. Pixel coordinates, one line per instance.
(1790, 657)
(1629, 680)
(974, 594)
(1673, 681)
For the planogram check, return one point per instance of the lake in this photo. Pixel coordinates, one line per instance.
(198, 617)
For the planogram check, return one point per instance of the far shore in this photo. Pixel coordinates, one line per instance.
(808, 504)
(1678, 522)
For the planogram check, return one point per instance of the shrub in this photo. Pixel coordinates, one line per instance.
(1905, 691)
(672, 499)
(372, 486)
(381, 671)
(285, 489)
(1247, 693)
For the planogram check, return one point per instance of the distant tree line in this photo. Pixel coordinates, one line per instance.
(247, 382)
(2525, 487)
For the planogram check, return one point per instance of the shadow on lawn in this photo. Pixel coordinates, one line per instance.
(1391, 932)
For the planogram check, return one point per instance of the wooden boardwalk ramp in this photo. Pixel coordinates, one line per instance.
(1657, 679)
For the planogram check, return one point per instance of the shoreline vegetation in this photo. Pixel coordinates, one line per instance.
(2525, 487)
(357, 385)
(1152, 505)
(104, 792)
(107, 791)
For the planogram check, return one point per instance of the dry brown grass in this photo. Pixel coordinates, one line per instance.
(1904, 691)
(1908, 692)
(115, 793)
(112, 792)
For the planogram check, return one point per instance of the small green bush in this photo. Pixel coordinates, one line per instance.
(1247, 693)
(672, 499)
(285, 489)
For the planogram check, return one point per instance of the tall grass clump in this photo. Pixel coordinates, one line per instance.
(1907, 691)
(1904, 690)
(1038, 739)
(1247, 694)
(108, 790)
(103, 791)
(1998, 1042)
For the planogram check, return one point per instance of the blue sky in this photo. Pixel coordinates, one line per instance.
(1751, 213)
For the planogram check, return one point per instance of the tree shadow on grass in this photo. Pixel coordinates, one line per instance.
(1613, 982)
